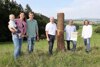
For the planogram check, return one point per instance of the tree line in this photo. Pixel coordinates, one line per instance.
(7, 7)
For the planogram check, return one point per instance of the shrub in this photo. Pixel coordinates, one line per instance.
(97, 30)
(77, 26)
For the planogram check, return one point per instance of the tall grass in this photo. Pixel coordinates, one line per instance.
(40, 57)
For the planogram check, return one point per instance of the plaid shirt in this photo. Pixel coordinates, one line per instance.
(21, 25)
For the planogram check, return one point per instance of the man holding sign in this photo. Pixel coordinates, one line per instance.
(71, 35)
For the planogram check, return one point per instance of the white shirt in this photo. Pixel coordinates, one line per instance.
(87, 31)
(12, 24)
(69, 29)
(51, 28)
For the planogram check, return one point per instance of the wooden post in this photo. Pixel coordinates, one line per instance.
(60, 32)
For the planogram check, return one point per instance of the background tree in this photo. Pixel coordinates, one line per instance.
(27, 10)
(12, 7)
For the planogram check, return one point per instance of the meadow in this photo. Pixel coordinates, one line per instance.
(40, 57)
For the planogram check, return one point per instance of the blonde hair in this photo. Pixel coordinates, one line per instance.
(11, 15)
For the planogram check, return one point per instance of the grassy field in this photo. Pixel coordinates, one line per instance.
(40, 57)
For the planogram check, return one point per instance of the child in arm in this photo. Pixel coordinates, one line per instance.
(12, 24)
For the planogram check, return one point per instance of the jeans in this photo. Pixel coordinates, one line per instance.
(17, 45)
(51, 42)
(87, 44)
(31, 42)
(68, 44)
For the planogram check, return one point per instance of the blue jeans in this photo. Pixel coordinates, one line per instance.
(87, 44)
(31, 42)
(17, 45)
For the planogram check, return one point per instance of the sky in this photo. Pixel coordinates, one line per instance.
(73, 9)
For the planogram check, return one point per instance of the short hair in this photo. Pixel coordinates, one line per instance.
(31, 13)
(51, 17)
(11, 15)
(87, 21)
(70, 21)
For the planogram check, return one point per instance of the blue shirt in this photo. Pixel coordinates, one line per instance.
(32, 27)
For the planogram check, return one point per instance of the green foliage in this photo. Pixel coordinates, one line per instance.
(28, 8)
(77, 26)
(42, 21)
(40, 57)
(6, 8)
(97, 30)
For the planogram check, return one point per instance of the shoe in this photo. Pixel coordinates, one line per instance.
(87, 51)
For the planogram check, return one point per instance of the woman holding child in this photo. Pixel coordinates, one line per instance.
(17, 36)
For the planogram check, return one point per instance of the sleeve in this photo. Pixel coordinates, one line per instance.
(75, 29)
(36, 27)
(46, 28)
(90, 30)
(26, 27)
(11, 24)
(82, 31)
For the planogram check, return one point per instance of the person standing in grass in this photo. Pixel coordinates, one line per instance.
(17, 40)
(51, 30)
(70, 28)
(32, 31)
(86, 34)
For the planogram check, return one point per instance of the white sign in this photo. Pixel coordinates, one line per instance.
(74, 36)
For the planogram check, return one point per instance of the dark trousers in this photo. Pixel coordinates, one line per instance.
(51, 43)
(68, 44)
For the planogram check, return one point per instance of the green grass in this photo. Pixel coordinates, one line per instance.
(40, 57)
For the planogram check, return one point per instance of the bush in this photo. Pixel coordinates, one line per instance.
(97, 30)
(77, 26)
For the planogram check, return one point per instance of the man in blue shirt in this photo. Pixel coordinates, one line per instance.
(32, 31)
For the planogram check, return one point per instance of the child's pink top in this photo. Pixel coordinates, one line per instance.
(21, 25)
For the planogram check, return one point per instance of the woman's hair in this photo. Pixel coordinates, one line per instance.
(87, 21)
(24, 15)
